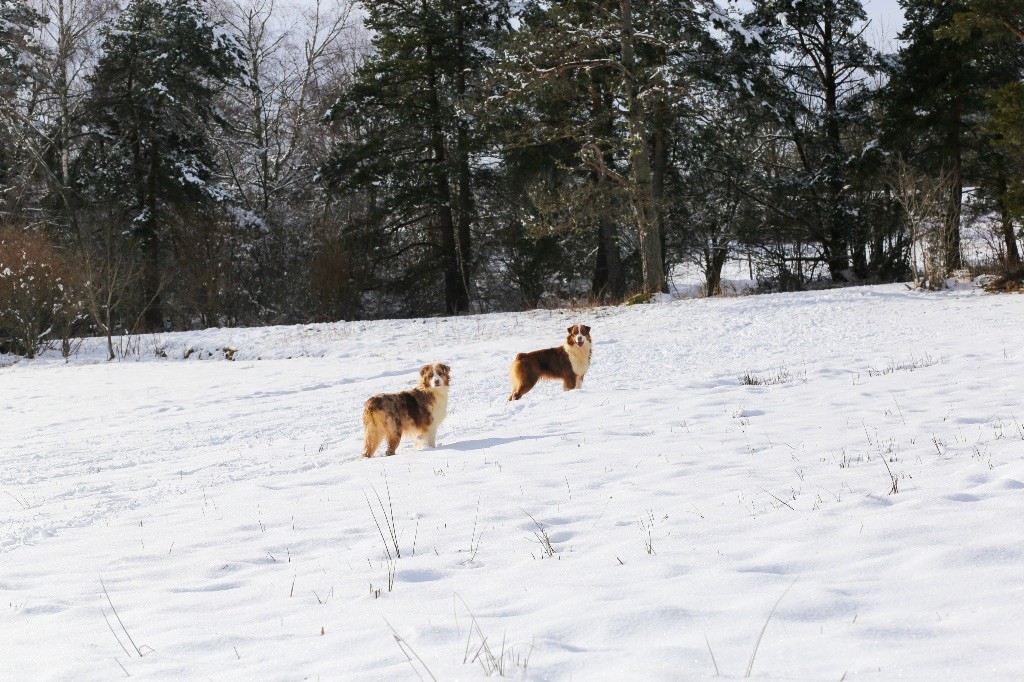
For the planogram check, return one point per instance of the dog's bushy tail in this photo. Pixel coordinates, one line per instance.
(373, 425)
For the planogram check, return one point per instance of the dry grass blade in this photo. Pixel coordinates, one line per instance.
(138, 650)
(713, 661)
(380, 530)
(388, 515)
(474, 539)
(411, 655)
(547, 549)
(113, 632)
(753, 654)
(777, 499)
(22, 504)
(895, 481)
(507, 659)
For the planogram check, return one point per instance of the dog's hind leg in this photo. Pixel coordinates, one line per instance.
(521, 385)
(521, 390)
(372, 443)
(515, 375)
(393, 434)
(374, 435)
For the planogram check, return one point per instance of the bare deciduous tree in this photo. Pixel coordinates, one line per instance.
(924, 199)
(292, 61)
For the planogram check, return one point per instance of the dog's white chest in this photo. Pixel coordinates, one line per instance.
(579, 358)
(440, 408)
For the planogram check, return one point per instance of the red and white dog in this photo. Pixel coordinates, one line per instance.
(418, 411)
(568, 363)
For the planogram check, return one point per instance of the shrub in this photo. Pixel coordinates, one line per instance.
(38, 293)
(1005, 279)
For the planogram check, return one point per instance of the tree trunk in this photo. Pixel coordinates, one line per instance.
(108, 330)
(153, 316)
(860, 258)
(609, 281)
(714, 261)
(876, 261)
(837, 259)
(951, 242)
(465, 222)
(640, 166)
(609, 278)
(837, 246)
(1006, 227)
(456, 299)
(465, 179)
(660, 165)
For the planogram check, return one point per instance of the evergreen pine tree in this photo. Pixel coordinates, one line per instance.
(17, 54)
(1006, 122)
(416, 139)
(817, 90)
(597, 89)
(933, 92)
(952, 60)
(995, 29)
(17, 21)
(152, 110)
(993, 17)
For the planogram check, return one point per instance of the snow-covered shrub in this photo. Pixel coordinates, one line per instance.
(38, 293)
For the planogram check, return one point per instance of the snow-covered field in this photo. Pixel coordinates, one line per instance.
(641, 528)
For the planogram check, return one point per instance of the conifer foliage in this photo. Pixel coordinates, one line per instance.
(415, 142)
(188, 163)
(956, 56)
(153, 111)
(820, 70)
(18, 21)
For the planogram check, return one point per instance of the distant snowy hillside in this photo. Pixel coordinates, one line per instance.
(853, 458)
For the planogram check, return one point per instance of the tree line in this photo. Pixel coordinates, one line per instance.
(181, 164)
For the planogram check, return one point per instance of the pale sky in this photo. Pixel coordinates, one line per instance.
(885, 15)
(886, 21)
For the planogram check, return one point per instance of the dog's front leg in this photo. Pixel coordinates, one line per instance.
(426, 439)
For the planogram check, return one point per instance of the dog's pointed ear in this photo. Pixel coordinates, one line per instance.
(585, 329)
(569, 330)
(445, 369)
(425, 370)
